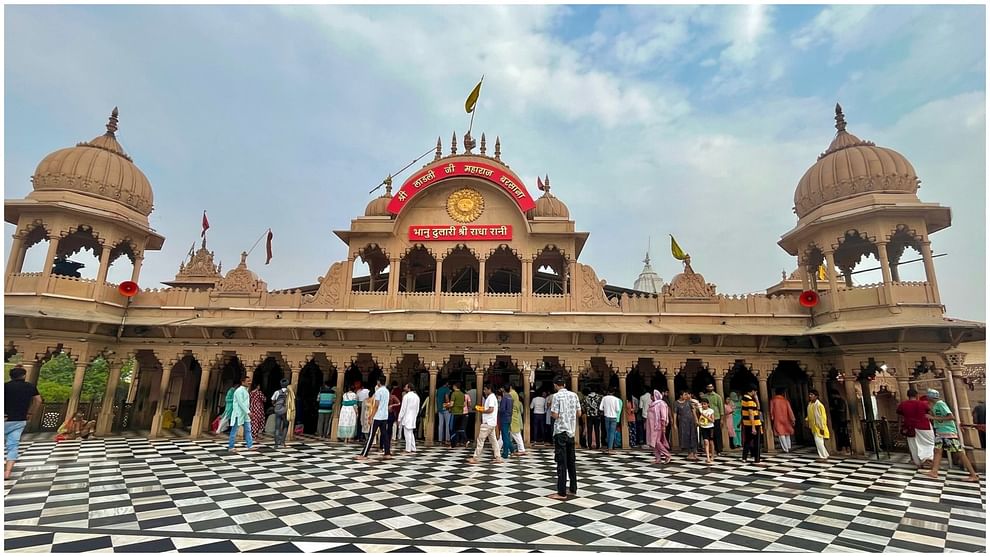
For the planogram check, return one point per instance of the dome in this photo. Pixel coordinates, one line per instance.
(649, 280)
(379, 205)
(548, 205)
(97, 168)
(851, 167)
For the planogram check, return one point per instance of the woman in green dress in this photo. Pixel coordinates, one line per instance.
(736, 416)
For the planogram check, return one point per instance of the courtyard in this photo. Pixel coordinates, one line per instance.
(134, 494)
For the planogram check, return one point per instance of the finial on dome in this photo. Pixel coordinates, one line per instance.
(453, 144)
(840, 119)
(439, 152)
(546, 182)
(243, 259)
(112, 124)
(469, 143)
(388, 186)
(482, 143)
(498, 149)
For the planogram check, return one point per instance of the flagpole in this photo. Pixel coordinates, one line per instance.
(471, 125)
(263, 234)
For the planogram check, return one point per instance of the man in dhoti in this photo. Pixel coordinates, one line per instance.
(917, 429)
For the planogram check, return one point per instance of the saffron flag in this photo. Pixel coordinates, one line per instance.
(822, 273)
(268, 247)
(676, 250)
(206, 225)
(472, 99)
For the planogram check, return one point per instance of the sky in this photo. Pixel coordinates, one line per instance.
(696, 121)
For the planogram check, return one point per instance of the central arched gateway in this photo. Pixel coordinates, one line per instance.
(795, 382)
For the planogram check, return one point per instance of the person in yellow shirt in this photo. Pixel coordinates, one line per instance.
(171, 419)
(818, 424)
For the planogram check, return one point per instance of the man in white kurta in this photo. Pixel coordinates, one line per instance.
(408, 413)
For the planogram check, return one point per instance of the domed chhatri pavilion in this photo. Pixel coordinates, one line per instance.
(470, 278)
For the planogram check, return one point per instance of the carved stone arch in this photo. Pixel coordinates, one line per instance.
(369, 249)
(907, 232)
(33, 227)
(461, 246)
(125, 246)
(418, 245)
(850, 250)
(551, 247)
(78, 237)
(505, 247)
(903, 236)
(503, 270)
(417, 269)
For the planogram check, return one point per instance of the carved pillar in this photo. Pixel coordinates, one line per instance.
(136, 271)
(803, 273)
(82, 362)
(673, 367)
(960, 392)
(926, 255)
(855, 414)
(438, 285)
(156, 421)
(833, 288)
(338, 401)
(431, 402)
(16, 257)
(569, 285)
(296, 364)
(481, 283)
(721, 366)
(885, 270)
(202, 415)
(46, 271)
(765, 368)
(393, 282)
(479, 375)
(101, 275)
(104, 420)
(527, 286)
(622, 413)
(527, 394)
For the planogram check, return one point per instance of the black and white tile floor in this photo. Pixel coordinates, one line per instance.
(127, 495)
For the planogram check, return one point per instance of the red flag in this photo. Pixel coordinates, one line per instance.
(268, 246)
(206, 225)
(539, 184)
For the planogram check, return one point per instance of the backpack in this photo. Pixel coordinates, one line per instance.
(280, 404)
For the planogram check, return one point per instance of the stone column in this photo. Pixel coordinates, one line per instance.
(720, 370)
(527, 287)
(622, 413)
(101, 275)
(481, 283)
(338, 401)
(766, 367)
(46, 271)
(15, 259)
(833, 288)
(803, 273)
(818, 383)
(855, 414)
(527, 394)
(156, 421)
(673, 367)
(104, 420)
(926, 255)
(77, 382)
(393, 283)
(202, 415)
(136, 271)
(431, 404)
(479, 375)
(962, 411)
(885, 271)
(438, 285)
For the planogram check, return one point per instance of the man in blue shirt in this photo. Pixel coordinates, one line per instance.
(379, 413)
(504, 420)
(443, 423)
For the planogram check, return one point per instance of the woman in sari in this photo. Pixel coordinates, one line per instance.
(737, 416)
(348, 416)
(687, 425)
(657, 418)
(257, 406)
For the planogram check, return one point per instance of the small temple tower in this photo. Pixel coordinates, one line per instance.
(648, 280)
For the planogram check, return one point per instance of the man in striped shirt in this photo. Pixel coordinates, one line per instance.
(752, 425)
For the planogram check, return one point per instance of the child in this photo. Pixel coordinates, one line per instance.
(706, 421)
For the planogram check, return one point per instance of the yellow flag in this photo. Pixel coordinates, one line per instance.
(472, 99)
(676, 250)
(822, 273)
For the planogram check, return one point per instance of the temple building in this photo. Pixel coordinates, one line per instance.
(469, 277)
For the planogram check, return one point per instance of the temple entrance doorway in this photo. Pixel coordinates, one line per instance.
(502, 372)
(269, 375)
(307, 392)
(693, 377)
(795, 382)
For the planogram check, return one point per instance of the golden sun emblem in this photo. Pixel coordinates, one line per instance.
(465, 205)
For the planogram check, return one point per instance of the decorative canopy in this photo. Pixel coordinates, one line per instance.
(850, 167)
(98, 168)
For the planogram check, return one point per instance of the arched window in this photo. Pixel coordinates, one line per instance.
(460, 271)
(417, 270)
(503, 272)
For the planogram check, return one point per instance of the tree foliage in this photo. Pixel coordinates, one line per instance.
(57, 374)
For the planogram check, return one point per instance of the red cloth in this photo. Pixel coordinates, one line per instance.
(206, 225)
(257, 411)
(782, 416)
(915, 414)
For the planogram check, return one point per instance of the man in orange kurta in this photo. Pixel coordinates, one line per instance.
(783, 419)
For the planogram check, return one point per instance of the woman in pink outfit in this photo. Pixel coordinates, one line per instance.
(783, 420)
(657, 419)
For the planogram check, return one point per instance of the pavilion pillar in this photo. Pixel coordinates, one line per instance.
(438, 285)
(527, 397)
(46, 271)
(623, 373)
(926, 255)
(481, 285)
(855, 423)
(101, 275)
(720, 369)
(962, 411)
(202, 415)
(818, 383)
(393, 283)
(431, 404)
(77, 382)
(762, 375)
(888, 292)
(803, 273)
(156, 421)
(16, 258)
(833, 287)
(104, 420)
(296, 365)
(527, 286)
(136, 271)
(673, 367)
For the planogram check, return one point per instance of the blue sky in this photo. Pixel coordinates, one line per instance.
(650, 120)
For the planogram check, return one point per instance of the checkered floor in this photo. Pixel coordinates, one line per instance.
(184, 495)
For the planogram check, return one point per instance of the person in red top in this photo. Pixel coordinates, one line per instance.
(782, 417)
(913, 414)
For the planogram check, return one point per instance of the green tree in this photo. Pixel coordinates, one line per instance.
(55, 378)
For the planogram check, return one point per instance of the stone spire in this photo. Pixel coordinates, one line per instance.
(112, 124)
(843, 139)
(649, 280)
(439, 153)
